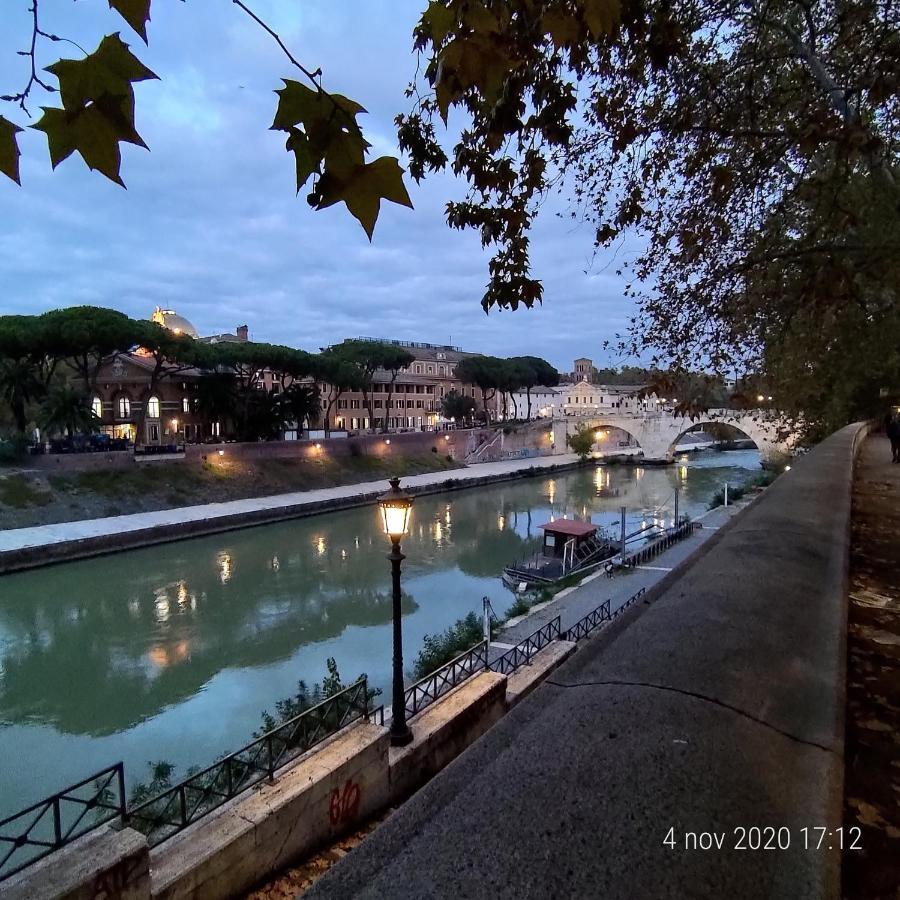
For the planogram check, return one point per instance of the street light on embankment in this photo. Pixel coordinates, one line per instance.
(395, 512)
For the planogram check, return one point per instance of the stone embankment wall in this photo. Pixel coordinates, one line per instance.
(452, 443)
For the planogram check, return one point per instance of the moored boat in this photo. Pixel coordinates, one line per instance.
(569, 547)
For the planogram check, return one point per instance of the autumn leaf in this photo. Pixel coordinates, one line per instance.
(135, 12)
(364, 190)
(9, 149)
(601, 16)
(98, 107)
(439, 20)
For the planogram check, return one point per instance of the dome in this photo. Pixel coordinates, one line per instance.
(171, 320)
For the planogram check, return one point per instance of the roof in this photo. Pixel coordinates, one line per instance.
(570, 526)
(171, 320)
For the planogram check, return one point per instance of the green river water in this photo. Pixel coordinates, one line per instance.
(172, 652)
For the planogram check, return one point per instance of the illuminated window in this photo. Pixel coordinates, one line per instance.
(124, 408)
(153, 408)
(186, 404)
(97, 407)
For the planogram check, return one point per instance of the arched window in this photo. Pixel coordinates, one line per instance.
(186, 404)
(97, 407)
(124, 408)
(153, 408)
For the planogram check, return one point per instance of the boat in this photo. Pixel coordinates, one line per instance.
(569, 547)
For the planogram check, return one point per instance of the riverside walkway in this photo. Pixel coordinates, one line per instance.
(651, 762)
(24, 547)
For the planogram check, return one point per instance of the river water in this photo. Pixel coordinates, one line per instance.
(172, 652)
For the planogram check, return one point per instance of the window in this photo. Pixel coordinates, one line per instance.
(378, 404)
(409, 404)
(354, 424)
(153, 434)
(418, 369)
(431, 370)
(216, 429)
(441, 370)
(342, 404)
(186, 404)
(354, 404)
(419, 404)
(97, 407)
(124, 408)
(153, 408)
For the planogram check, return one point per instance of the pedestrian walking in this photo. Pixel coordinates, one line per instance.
(893, 433)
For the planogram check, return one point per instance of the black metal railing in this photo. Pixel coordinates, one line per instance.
(430, 688)
(629, 602)
(41, 829)
(166, 814)
(584, 626)
(521, 654)
(672, 536)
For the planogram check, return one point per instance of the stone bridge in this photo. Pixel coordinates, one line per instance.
(657, 433)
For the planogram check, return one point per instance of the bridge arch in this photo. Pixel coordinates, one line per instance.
(656, 434)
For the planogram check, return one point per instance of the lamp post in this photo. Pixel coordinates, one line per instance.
(395, 509)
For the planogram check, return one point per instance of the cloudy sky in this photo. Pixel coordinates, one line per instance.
(210, 224)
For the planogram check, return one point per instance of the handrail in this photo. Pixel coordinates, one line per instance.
(174, 809)
(521, 653)
(433, 686)
(585, 625)
(33, 829)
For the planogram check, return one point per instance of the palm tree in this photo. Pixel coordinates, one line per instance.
(19, 386)
(66, 411)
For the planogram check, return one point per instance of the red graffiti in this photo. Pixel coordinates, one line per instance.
(344, 804)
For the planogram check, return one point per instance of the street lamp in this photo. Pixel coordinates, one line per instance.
(395, 509)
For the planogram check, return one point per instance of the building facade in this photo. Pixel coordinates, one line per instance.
(414, 404)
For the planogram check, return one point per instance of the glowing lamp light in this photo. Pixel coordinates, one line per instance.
(175, 424)
(759, 398)
(446, 437)
(387, 440)
(787, 468)
(395, 508)
(318, 446)
(221, 453)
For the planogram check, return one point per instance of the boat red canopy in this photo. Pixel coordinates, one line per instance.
(570, 527)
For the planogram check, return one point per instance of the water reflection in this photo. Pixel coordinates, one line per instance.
(172, 651)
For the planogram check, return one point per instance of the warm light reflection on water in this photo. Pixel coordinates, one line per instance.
(177, 648)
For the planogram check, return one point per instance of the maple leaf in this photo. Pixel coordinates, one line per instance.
(363, 190)
(98, 107)
(135, 12)
(9, 149)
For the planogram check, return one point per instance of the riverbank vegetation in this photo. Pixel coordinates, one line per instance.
(438, 649)
(737, 491)
(162, 774)
(40, 498)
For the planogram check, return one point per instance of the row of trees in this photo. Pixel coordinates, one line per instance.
(493, 375)
(54, 360)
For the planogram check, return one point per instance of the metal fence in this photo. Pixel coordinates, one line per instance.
(424, 692)
(521, 654)
(41, 829)
(584, 626)
(672, 536)
(173, 810)
(49, 825)
(630, 602)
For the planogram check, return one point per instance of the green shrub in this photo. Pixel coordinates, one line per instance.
(440, 648)
(13, 448)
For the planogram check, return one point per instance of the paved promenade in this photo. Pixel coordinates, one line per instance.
(205, 519)
(631, 771)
